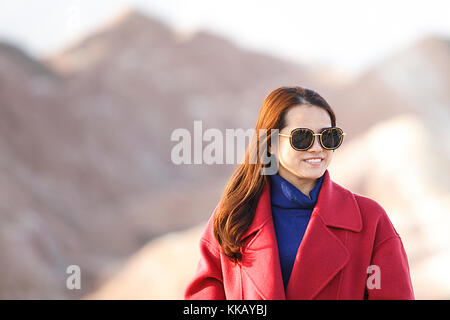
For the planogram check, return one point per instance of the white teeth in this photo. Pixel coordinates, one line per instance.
(314, 160)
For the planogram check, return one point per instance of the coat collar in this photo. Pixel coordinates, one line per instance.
(285, 195)
(321, 254)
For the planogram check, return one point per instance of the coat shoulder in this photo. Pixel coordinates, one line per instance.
(376, 218)
(369, 207)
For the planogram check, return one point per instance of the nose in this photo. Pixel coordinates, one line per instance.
(316, 147)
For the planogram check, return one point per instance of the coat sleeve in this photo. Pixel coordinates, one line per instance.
(389, 276)
(207, 283)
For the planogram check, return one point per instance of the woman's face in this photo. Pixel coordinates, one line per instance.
(293, 162)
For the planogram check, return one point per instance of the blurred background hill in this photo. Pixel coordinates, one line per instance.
(85, 153)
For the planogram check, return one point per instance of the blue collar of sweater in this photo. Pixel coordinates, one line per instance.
(285, 195)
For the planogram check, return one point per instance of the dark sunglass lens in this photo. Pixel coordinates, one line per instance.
(331, 138)
(301, 139)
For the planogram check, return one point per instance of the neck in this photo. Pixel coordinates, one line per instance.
(305, 185)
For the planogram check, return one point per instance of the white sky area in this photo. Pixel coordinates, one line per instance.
(348, 35)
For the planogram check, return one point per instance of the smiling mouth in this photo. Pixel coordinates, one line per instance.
(315, 162)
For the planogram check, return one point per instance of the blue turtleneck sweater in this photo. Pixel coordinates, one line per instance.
(291, 210)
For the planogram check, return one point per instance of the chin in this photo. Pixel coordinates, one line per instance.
(314, 176)
(313, 173)
(306, 174)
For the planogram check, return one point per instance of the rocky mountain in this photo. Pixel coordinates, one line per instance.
(159, 270)
(85, 145)
(415, 79)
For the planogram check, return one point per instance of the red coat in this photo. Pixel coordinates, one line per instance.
(346, 234)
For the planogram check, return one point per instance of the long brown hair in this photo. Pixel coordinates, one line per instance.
(241, 194)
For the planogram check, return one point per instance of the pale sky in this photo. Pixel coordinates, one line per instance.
(349, 35)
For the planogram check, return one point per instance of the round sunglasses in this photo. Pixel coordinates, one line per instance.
(302, 139)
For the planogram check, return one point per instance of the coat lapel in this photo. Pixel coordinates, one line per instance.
(321, 254)
(320, 257)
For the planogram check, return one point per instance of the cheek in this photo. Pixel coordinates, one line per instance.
(284, 149)
(329, 156)
(288, 154)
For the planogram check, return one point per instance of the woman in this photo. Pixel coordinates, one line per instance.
(297, 234)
